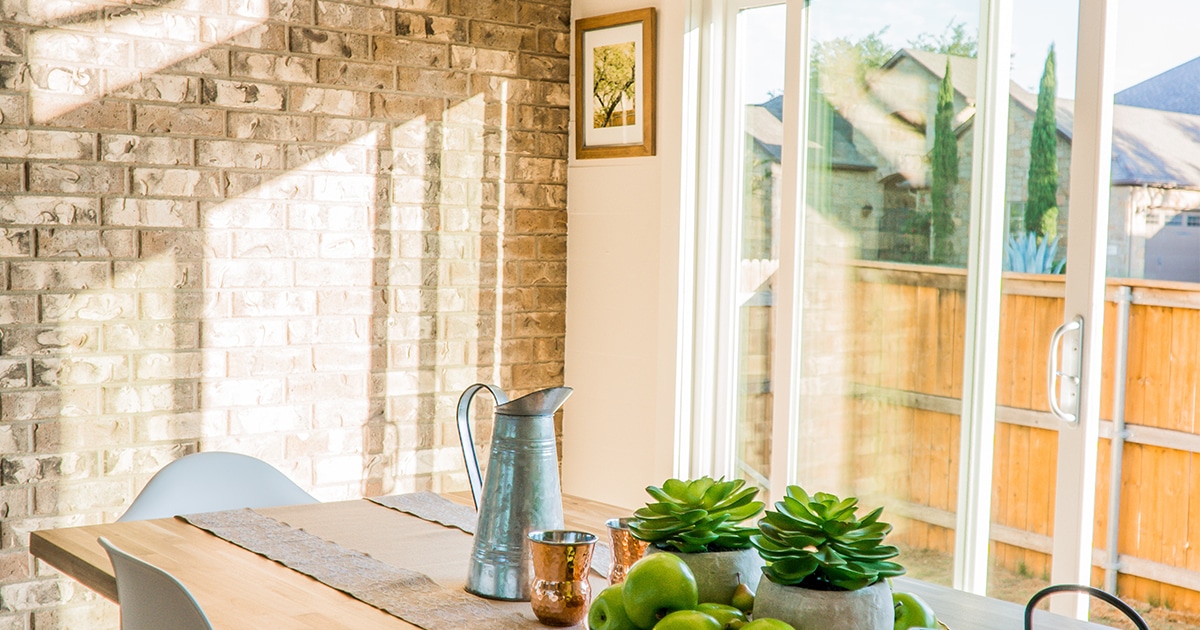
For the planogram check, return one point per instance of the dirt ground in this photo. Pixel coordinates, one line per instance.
(1010, 586)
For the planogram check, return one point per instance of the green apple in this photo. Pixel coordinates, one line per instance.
(687, 620)
(608, 611)
(656, 586)
(766, 623)
(723, 613)
(912, 612)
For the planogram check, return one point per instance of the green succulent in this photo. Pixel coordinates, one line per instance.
(819, 542)
(699, 515)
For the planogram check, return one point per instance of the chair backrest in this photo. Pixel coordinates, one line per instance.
(150, 598)
(213, 481)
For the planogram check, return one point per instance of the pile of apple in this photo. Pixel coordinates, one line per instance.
(659, 593)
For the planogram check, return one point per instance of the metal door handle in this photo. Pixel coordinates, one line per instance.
(1053, 373)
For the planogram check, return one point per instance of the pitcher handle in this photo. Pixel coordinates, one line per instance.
(468, 442)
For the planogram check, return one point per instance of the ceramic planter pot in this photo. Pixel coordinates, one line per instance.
(868, 608)
(717, 572)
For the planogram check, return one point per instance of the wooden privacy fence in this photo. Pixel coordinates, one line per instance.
(907, 378)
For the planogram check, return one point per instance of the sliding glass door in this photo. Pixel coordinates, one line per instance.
(890, 275)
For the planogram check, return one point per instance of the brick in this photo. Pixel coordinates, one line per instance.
(546, 16)
(150, 212)
(180, 335)
(311, 216)
(328, 43)
(16, 243)
(333, 102)
(496, 10)
(502, 36)
(241, 94)
(87, 111)
(93, 307)
(17, 309)
(54, 145)
(91, 49)
(76, 243)
(81, 434)
(407, 52)
(35, 405)
(13, 373)
(173, 244)
(231, 392)
(343, 159)
(127, 399)
(144, 460)
(273, 67)
(239, 154)
(340, 15)
(159, 24)
(355, 74)
(75, 178)
(431, 27)
(554, 43)
(256, 362)
(156, 274)
(180, 57)
(173, 365)
(177, 182)
(158, 119)
(277, 245)
(431, 81)
(41, 276)
(483, 60)
(271, 127)
(252, 33)
(244, 214)
(164, 88)
(145, 149)
(545, 67)
(49, 340)
(288, 419)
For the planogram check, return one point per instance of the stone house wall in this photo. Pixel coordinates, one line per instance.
(296, 229)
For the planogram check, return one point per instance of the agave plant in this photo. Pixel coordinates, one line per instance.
(820, 543)
(1025, 254)
(699, 515)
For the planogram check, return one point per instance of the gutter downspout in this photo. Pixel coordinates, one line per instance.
(1112, 563)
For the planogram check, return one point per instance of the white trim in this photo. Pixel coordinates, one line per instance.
(1087, 232)
(981, 349)
(789, 286)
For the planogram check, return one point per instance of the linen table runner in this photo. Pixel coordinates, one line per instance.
(403, 593)
(435, 508)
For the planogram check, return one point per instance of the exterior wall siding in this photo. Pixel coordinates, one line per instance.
(296, 229)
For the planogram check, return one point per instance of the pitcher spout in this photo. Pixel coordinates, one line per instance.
(543, 402)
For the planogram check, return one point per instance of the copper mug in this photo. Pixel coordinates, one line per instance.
(626, 549)
(561, 560)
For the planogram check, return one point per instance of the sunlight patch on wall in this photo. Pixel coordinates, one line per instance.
(100, 49)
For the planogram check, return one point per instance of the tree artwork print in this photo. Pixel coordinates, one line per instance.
(613, 86)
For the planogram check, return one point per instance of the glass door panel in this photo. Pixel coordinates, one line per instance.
(1148, 494)
(1037, 215)
(892, 96)
(757, 125)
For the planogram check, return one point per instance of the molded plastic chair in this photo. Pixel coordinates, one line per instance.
(213, 481)
(150, 598)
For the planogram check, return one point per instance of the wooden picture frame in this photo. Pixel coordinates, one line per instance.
(615, 59)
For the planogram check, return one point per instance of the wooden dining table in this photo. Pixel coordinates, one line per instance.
(239, 589)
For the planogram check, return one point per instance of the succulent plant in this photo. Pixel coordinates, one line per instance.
(1026, 254)
(699, 515)
(819, 542)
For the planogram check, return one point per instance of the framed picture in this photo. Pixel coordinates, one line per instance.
(615, 58)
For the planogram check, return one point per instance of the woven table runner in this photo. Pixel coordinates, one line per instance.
(435, 508)
(406, 594)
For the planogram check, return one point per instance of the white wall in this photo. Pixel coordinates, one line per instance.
(622, 294)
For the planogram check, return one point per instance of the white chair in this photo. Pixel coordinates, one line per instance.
(150, 598)
(213, 481)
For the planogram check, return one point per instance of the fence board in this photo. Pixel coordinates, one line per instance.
(1181, 401)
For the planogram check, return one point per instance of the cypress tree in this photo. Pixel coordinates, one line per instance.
(945, 172)
(1041, 206)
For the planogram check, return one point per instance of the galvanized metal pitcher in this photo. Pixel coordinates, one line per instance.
(522, 492)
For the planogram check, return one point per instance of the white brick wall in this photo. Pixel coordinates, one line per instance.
(267, 226)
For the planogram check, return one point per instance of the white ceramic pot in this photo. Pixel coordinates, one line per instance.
(868, 608)
(718, 572)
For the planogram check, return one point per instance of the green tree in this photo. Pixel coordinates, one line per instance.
(954, 40)
(614, 73)
(945, 172)
(1041, 205)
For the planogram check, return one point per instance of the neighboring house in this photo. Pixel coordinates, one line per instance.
(881, 137)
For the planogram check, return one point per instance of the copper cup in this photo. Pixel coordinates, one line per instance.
(561, 560)
(625, 548)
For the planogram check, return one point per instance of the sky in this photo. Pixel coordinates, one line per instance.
(1153, 35)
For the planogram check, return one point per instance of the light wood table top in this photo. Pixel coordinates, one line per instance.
(239, 589)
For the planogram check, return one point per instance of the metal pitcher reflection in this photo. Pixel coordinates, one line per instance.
(521, 492)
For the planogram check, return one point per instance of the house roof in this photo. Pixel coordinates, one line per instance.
(1152, 145)
(1172, 91)
(764, 123)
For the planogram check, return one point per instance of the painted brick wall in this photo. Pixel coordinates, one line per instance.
(295, 229)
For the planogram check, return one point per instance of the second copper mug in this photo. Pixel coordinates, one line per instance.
(561, 560)
(625, 548)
